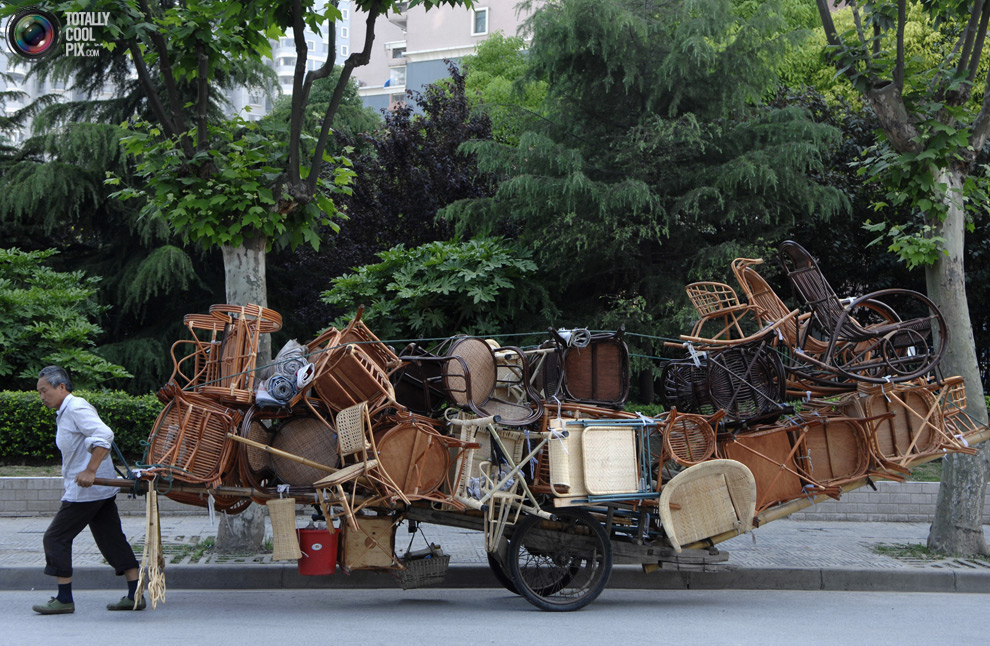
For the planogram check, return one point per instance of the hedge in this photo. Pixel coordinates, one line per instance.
(27, 428)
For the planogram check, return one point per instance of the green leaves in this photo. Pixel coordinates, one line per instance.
(48, 317)
(482, 286)
(231, 191)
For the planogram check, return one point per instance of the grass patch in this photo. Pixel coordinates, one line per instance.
(28, 471)
(927, 472)
(915, 551)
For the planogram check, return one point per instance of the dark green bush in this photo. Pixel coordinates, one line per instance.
(27, 428)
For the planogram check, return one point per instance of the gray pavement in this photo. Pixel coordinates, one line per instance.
(784, 554)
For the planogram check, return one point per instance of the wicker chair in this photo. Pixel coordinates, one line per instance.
(360, 469)
(878, 353)
(722, 316)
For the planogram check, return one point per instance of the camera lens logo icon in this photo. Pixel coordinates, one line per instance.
(33, 33)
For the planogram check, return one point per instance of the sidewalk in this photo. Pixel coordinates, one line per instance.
(784, 554)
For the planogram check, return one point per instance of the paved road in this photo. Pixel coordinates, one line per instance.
(473, 617)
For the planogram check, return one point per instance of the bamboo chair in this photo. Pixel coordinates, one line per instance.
(360, 469)
(885, 352)
(718, 304)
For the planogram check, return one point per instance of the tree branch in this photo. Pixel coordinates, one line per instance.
(888, 104)
(981, 38)
(968, 36)
(356, 59)
(298, 99)
(826, 15)
(154, 101)
(170, 86)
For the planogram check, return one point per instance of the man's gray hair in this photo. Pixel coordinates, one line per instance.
(56, 375)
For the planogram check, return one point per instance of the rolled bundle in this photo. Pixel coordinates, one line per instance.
(281, 388)
(290, 359)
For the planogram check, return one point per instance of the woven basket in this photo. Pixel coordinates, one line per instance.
(306, 437)
(259, 461)
(423, 570)
(285, 540)
(189, 439)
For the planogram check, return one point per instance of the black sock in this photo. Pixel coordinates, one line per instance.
(131, 588)
(65, 592)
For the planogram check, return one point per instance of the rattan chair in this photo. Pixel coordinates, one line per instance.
(360, 470)
(882, 352)
(722, 316)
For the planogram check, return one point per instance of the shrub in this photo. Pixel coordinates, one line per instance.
(27, 428)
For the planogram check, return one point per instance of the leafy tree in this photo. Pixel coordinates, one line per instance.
(48, 317)
(495, 78)
(935, 124)
(656, 162)
(482, 286)
(405, 171)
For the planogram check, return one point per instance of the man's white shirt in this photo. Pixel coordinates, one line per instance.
(79, 430)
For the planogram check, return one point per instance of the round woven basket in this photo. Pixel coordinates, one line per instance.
(308, 438)
(688, 439)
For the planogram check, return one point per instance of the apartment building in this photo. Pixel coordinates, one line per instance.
(411, 45)
(250, 103)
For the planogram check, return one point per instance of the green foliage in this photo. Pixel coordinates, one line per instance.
(48, 317)
(495, 77)
(27, 428)
(640, 168)
(483, 286)
(226, 194)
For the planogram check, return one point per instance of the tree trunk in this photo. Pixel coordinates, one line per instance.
(244, 275)
(958, 523)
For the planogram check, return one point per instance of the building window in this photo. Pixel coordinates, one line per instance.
(345, 50)
(479, 22)
(398, 52)
(311, 45)
(397, 76)
(345, 32)
(345, 13)
(396, 101)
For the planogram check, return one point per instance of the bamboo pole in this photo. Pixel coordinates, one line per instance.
(282, 454)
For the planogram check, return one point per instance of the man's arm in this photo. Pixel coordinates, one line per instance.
(85, 478)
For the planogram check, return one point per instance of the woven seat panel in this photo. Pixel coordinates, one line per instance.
(905, 434)
(688, 439)
(309, 438)
(610, 465)
(481, 371)
(353, 428)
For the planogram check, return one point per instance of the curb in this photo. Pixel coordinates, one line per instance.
(269, 577)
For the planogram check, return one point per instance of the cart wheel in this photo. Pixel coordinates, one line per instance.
(560, 565)
(501, 574)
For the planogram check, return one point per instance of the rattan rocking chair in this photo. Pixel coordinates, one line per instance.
(878, 353)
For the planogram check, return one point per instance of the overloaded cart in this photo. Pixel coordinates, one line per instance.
(532, 447)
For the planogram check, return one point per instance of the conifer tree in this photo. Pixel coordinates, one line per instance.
(657, 159)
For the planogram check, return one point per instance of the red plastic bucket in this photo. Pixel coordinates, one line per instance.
(319, 549)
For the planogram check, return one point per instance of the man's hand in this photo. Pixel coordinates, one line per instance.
(85, 478)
